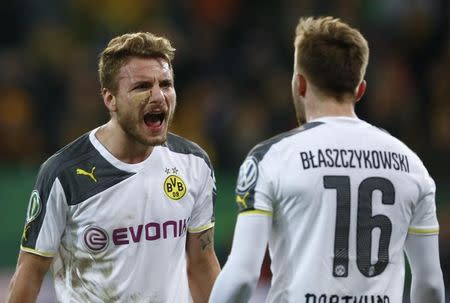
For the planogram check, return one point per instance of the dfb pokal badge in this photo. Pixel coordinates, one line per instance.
(248, 174)
(34, 206)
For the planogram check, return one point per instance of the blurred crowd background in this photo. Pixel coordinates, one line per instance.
(233, 70)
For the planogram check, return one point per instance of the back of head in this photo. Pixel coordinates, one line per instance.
(122, 48)
(331, 54)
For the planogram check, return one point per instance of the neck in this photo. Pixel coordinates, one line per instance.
(326, 107)
(121, 145)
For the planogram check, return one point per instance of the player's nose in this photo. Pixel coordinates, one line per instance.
(156, 94)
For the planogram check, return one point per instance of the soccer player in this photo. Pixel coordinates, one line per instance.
(125, 212)
(337, 200)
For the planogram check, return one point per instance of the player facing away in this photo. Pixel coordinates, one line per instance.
(337, 200)
(125, 212)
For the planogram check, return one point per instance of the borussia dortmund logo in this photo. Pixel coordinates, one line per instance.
(339, 270)
(174, 187)
(34, 206)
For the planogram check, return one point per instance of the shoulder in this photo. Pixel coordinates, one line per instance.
(182, 145)
(385, 135)
(55, 167)
(260, 150)
(397, 143)
(81, 171)
(63, 158)
(390, 142)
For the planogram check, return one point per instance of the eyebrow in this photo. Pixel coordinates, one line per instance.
(142, 82)
(163, 77)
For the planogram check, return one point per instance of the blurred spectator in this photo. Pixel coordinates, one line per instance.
(440, 95)
(20, 141)
(234, 68)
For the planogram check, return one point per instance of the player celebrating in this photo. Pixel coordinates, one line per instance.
(337, 199)
(125, 212)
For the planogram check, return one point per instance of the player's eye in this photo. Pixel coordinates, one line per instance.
(142, 86)
(166, 84)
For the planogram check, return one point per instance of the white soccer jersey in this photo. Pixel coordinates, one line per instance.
(118, 231)
(343, 195)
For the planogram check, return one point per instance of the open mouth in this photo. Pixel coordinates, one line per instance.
(154, 119)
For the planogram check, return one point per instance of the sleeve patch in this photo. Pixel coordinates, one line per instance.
(246, 182)
(34, 206)
(248, 174)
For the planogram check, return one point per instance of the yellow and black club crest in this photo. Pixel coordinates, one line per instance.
(174, 187)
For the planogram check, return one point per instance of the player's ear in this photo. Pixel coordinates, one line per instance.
(360, 90)
(109, 99)
(302, 85)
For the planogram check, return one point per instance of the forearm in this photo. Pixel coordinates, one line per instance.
(23, 288)
(27, 280)
(427, 283)
(427, 291)
(202, 265)
(201, 279)
(235, 283)
(240, 274)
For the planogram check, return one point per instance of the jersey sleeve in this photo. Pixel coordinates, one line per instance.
(46, 216)
(202, 217)
(424, 220)
(254, 187)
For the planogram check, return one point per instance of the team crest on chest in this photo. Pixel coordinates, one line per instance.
(174, 186)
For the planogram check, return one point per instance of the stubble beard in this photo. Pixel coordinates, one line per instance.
(131, 127)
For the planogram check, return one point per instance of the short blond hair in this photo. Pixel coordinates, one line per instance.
(120, 49)
(333, 55)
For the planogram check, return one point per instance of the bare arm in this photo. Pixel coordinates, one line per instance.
(239, 277)
(202, 264)
(26, 282)
(427, 284)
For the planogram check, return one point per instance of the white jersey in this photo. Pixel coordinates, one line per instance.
(343, 195)
(117, 231)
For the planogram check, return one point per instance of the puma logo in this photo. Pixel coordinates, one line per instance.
(242, 199)
(25, 233)
(81, 171)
